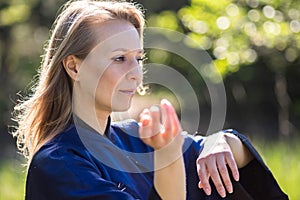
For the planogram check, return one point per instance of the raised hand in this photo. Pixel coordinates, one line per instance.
(160, 129)
(159, 126)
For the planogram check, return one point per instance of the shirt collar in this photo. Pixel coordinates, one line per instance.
(78, 121)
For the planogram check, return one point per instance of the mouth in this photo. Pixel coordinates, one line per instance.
(128, 92)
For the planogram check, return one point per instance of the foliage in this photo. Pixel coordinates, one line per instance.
(238, 32)
(252, 42)
(24, 27)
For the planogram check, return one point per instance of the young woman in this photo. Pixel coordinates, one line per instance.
(93, 66)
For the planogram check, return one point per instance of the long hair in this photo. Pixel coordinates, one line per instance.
(48, 109)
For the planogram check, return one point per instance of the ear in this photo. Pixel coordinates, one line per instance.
(72, 64)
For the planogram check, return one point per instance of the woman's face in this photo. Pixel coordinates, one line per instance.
(112, 72)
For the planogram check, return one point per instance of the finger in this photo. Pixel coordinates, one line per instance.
(155, 116)
(200, 185)
(224, 173)
(215, 176)
(167, 123)
(203, 177)
(144, 112)
(145, 128)
(145, 117)
(176, 127)
(232, 165)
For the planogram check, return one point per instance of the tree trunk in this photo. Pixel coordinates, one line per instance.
(284, 102)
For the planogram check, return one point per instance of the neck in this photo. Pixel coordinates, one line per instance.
(97, 123)
(84, 107)
(96, 119)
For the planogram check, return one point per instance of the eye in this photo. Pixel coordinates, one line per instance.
(140, 60)
(119, 59)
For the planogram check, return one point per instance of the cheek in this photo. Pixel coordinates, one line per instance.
(109, 82)
(90, 75)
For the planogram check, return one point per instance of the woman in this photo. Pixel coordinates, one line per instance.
(91, 67)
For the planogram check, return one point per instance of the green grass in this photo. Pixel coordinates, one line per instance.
(283, 158)
(12, 177)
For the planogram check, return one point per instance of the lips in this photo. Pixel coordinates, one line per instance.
(128, 92)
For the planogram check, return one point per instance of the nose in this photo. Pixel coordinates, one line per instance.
(136, 73)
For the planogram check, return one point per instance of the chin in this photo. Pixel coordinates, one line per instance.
(122, 106)
(120, 109)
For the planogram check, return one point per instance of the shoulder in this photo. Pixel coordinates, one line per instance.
(61, 165)
(129, 126)
(62, 143)
(60, 154)
(64, 169)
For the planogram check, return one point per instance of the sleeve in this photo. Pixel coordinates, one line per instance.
(154, 195)
(65, 177)
(192, 146)
(255, 178)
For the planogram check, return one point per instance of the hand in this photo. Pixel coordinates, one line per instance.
(157, 132)
(160, 129)
(212, 163)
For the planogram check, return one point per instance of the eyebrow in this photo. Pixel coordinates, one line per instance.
(127, 50)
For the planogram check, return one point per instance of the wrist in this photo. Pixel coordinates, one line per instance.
(240, 152)
(170, 153)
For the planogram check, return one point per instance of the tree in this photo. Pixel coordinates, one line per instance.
(24, 27)
(244, 33)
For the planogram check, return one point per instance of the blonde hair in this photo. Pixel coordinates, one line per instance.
(48, 110)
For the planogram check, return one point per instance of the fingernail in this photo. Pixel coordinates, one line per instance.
(165, 101)
(229, 189)
(145, 122)
(200, 185)
(223, 193)
(207, 191)
(144, 112)
(236, 177)
(154, 109)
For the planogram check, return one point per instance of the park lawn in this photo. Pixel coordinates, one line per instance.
(12, 177)
(282, 158)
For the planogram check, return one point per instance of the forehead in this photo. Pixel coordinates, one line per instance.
(117, 34)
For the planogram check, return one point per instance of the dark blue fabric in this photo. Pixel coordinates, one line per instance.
(256, 178)
(81, 164)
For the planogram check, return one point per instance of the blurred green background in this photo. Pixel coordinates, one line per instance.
(255, 45)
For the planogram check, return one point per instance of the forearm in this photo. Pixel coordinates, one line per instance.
(240, 152)
(169, 178)
(167, 140)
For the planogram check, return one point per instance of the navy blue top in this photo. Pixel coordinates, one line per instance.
(82, 164)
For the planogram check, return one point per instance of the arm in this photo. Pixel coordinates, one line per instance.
(221, 149)
(241, 153)
(164, 180)
(167, 142)
(234, 149)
